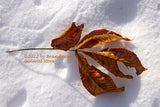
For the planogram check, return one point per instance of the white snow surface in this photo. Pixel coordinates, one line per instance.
(34, 23)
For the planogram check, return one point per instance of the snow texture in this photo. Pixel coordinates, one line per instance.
(34, 23)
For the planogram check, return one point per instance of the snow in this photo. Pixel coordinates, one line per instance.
(34, 23)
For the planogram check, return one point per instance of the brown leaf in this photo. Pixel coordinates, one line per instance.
(95, 81)
(69, 38)
(109, 58)
(98, 37)
(130, 57)
(109, 61)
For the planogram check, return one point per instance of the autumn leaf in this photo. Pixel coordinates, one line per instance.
(129, 56)
(95, 81)
(69, 38)
(109, 61)
(98, 37)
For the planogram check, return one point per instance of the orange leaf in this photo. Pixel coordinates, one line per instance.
(129, 56)
(98, 37)
(109, 61)
(69, 38)
(95, 81)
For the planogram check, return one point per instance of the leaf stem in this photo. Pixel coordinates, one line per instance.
(36, 49)
(30, 49)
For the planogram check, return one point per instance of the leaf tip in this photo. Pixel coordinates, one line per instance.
(117, 90)
(127, 39)
(144, 69)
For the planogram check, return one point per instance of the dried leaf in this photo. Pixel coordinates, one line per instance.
(69, 38)
(129, 56)
(95, 81)
(109, 61)
(98, 37)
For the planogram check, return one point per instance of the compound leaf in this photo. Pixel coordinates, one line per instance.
(95, 81)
